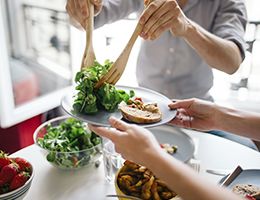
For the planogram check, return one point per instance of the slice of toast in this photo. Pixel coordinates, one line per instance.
(140, 116)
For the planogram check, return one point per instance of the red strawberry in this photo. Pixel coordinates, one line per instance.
(19, 180)
(24, 165)
(8, 172)
(4, 160)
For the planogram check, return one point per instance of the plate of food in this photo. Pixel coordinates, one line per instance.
(144, 107)
(247, 183)
(174, 141)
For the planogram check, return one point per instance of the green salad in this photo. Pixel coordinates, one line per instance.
(88, 99)
(70, 144)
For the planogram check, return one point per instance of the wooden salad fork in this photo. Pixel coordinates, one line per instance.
(89, 54)
(118, 67)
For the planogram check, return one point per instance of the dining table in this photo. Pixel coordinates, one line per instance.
(50, 183)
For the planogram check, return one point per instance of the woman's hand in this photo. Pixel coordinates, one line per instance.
(195, 114)
(131, 141)
(162, 15)
(78, 11)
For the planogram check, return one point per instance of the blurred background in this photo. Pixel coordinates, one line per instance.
(41, 52)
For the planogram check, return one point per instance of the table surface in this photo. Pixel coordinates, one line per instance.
(50, 183)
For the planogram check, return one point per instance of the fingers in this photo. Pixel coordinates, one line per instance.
(158, 17)
(109, 133)
(149, 11)
(181, 120)
(78, 12)
(97, 6)
(160, 26)
(70, 7)
(118, 124)
(83, 5)
(96, 2)
(181, 104)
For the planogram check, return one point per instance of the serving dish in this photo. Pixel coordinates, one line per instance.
(102, 116)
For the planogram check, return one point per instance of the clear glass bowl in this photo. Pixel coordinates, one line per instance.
(66, 160)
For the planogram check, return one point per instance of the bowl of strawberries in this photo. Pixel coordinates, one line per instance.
(16, 176)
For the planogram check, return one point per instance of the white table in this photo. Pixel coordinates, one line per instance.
(88, 183)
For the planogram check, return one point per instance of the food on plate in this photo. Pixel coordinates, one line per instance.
(135, 110)
(136, 180)
(247, 190)
(70, 144)
(170, 149)
(14, 172)
(89, 99)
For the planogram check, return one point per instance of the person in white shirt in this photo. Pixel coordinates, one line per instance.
(193, 36)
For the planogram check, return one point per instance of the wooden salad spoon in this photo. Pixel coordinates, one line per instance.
(118, 67)
(89, 54)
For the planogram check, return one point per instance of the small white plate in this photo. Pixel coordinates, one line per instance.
(101, 117)
(175, 136)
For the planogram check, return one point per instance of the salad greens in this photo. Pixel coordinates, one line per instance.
(88, 99)
(71, 144)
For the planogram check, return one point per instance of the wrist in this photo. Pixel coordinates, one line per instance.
(190, 30)
(222, 117)
(152, 157)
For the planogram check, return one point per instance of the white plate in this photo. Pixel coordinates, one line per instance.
(175, 136)
(101, 117)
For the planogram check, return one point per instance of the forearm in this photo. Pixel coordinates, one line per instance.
(183, 180)
(219, 53)
(239, 122)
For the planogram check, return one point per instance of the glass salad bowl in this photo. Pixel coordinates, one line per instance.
(67, 143)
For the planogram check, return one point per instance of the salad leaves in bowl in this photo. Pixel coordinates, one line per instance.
(68, 143)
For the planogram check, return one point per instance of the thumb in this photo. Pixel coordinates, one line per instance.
(118, 124)
(181, 104)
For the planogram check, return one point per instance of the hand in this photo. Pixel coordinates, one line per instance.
(78, 11)
(131, 141)
(162, 15)
(195, 114)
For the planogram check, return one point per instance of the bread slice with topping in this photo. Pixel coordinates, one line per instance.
(145, 114)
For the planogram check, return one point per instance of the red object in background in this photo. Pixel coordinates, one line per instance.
(19, 136)
(25, 88)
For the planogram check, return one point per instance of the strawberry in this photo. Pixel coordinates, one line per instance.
(24, 165)
(19, 180)
(4, 160)
(7, 173)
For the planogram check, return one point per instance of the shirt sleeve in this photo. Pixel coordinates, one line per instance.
(114, 10)
(230, 22)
